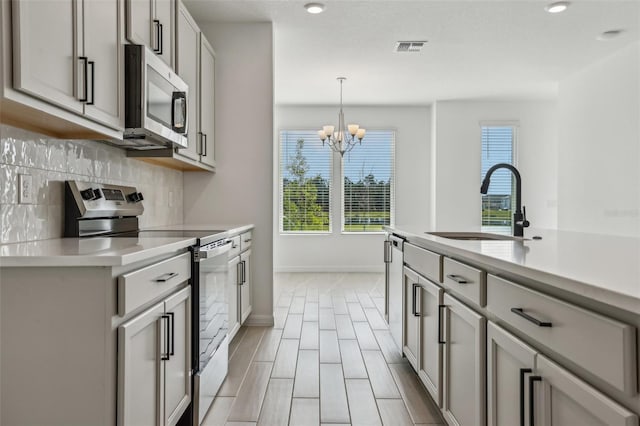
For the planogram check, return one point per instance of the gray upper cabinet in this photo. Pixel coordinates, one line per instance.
(188, 35)
(77, 66)
(151, 22)
(206, 93)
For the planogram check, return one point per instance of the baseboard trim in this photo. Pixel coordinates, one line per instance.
(373, 269)
(259, 320)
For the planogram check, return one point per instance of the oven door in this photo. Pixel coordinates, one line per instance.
(211, 343)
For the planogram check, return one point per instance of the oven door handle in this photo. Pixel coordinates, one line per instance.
(216, 251)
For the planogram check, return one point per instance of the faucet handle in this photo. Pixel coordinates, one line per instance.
(525, 222)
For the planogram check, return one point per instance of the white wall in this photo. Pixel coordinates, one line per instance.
(356, 252)
(599, 149)
(456, 150)
(241, 189)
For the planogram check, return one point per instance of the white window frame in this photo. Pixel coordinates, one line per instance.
(515, 126)
(281, 188)
(392, 207)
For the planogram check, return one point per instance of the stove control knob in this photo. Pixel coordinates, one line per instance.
(135, 197)
(87, 194)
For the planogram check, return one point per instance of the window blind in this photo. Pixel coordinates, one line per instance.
(368, 195)
(497, 147)
(305, 182)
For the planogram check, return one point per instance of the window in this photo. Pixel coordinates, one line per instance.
(305, 182)
(368, 183)
(498, 143)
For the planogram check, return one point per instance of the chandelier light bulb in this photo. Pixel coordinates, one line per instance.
(353, 128)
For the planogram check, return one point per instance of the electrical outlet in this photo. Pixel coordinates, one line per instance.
(26, 189)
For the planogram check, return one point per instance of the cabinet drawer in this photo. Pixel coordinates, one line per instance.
(235, 247)
(245, 241)
(423, 261)
(601, 345)
(144, 285)
(465, 280)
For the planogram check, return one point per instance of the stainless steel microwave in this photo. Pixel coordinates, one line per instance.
(155, 102)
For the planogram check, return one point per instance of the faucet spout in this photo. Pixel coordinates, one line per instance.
(519, 217)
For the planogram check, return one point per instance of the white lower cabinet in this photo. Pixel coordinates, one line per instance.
(245, 286)
(464, 369)
(560, 398)
(510, 362)
(430, 348)
(154, 380)
(411, 328)
(233, 283)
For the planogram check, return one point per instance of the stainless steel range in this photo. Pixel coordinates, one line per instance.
(93, 209)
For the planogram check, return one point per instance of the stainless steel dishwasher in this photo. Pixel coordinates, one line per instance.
(393, 258)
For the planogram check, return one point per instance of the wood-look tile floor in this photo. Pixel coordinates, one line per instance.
(329, 359)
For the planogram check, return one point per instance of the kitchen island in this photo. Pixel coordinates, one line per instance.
(486, 323)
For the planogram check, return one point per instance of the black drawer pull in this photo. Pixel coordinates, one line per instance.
(532, 380)
(441, 340)
(457, 278)
(520, 312)
(166, 277)
(523, 371)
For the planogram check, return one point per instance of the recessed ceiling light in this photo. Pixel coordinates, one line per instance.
(557, 7)
(608, 35)
(314, 8)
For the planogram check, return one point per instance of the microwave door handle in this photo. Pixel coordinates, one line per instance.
(179, 112)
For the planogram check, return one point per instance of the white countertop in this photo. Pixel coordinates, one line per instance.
(98, 251)
(102, 251)
(605, 268)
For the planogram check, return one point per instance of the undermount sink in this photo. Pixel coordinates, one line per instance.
(475, 236)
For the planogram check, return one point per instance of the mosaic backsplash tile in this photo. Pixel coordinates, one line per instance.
(52, 161)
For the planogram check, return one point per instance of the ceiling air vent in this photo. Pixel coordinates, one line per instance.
(409, 46)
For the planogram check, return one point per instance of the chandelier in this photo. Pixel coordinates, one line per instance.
(344, 138)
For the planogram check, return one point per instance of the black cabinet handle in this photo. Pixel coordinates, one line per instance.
(457, 278)
(161, 38)
(166, 277)
(520, 312)
(239, 273)
(244, 271)
(523, 371)
(204, 145)
(156, 24)
(84, 59)
(414, 309)
(532, 380)
(92, 64)
(165, 356)
(172, 329)
(441, 340)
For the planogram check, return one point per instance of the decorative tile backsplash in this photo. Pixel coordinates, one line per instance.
(52, 161)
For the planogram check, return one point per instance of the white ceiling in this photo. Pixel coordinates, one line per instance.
(476, 49)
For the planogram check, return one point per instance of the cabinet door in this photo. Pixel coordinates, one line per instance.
(177, 387)
(46, 61)
(510, 362)
(140, 28)
(102, 47)
(411, 329)
(140, 369)
(165, 14)
(563, 399)
(430, 353)
(188, 35)
(464, 365)
(245, 288)
(234, 291)
(207, 101)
